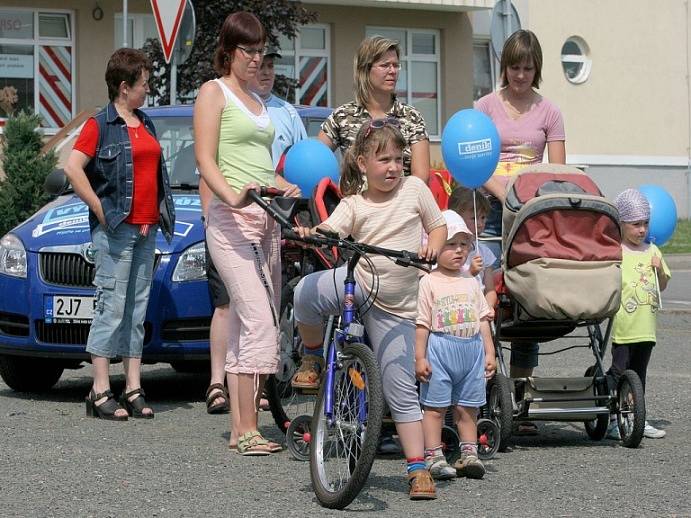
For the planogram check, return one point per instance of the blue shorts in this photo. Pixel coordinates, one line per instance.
(458, 372)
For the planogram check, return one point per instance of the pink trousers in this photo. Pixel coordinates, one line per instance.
(245, 247)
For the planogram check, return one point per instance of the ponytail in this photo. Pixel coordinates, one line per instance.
(352, 179)
(369, 140)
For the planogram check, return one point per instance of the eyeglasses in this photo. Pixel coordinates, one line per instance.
(252, 52)
(380, 123)
(384, 67)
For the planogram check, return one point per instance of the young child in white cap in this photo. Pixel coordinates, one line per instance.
(642, 268)
(454, 352)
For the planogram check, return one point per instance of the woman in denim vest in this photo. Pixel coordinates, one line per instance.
(118, 170)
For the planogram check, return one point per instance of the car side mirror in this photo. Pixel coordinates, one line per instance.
(56, 182)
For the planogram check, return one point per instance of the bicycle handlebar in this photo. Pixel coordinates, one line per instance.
(330, 239)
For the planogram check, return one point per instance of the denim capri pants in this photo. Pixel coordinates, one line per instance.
(124, 269)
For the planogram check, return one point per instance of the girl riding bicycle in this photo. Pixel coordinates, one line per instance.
(382, 208)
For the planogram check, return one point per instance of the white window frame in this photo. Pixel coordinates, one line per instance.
(297, 52)
(138, 37)
(583, 58)
(493, 64)
(410, 57)
(36, 42)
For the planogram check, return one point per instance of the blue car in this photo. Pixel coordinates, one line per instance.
(47, 269)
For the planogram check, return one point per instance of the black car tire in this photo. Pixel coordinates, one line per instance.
(30, 374)
(191, 366)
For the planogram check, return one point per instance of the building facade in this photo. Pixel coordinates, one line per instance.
(619, 70)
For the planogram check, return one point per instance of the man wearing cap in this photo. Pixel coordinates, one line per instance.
(287, 123)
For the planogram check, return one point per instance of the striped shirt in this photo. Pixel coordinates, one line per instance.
(396, 224)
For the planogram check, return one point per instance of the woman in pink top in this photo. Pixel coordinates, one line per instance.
(527, 124)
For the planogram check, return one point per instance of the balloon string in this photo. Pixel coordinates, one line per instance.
(657, 283)
(659, 295)
(477, 240)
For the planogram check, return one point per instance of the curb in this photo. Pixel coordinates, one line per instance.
(678, 261)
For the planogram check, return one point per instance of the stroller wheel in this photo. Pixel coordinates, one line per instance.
(597, 428)
(488, 439)
(631, 409)
(298, 437)
(500, 405)
(450, 443)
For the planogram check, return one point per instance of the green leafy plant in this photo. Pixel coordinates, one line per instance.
(277, 16)
(25, 167)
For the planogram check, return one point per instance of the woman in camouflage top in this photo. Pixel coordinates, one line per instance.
(376, 68)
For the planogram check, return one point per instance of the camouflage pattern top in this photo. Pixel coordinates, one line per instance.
(345, 121)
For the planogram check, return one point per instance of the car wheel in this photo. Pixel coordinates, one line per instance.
(30, 374)
(191, 366)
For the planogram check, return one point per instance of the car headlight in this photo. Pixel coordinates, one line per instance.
(191, 265)
(12, 256)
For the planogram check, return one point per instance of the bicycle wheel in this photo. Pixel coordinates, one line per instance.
(285, 403)
(343, 448)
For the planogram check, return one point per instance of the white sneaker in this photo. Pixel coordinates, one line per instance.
(653, 433)
(613, 431)
(440, 469)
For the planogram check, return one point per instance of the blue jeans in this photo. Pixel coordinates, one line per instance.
(124, 269)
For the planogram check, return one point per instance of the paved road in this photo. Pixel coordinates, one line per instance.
(56, 462)
(677, 296)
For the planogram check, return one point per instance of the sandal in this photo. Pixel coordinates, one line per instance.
(421, 485)
(253, 444)
(217, 408)
(309, 373)
(273, 447)
(135, 407)
(105, 410)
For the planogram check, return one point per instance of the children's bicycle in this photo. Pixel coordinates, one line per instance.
(348, 413)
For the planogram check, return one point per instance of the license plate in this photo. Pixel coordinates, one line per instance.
(69, 309)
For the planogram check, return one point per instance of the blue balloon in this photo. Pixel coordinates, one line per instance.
(470, 146)
(307, 162)
(663, 214)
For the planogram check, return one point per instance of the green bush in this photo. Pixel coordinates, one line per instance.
(25, 167)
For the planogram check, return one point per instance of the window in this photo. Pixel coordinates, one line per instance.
(306, 58)
(483, 69)
(419, 79)
(140, 27)
(37, 64)
(575, 60)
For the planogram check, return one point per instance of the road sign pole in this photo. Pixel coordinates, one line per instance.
(125, 42)
(173, 82)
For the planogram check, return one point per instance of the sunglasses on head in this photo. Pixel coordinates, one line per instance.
(380, 123)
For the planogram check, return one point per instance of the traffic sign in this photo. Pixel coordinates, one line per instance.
(505, 22)
(168, 15)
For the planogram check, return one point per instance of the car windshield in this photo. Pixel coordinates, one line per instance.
(176, 137)
(177, 142)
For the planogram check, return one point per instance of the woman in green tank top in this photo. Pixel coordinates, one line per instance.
(233, 137)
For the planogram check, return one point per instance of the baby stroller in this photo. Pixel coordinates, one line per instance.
(561, 276)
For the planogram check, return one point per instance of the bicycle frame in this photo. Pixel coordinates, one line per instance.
(341, 336)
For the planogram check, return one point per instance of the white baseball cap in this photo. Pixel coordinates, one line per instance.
(455, 224)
